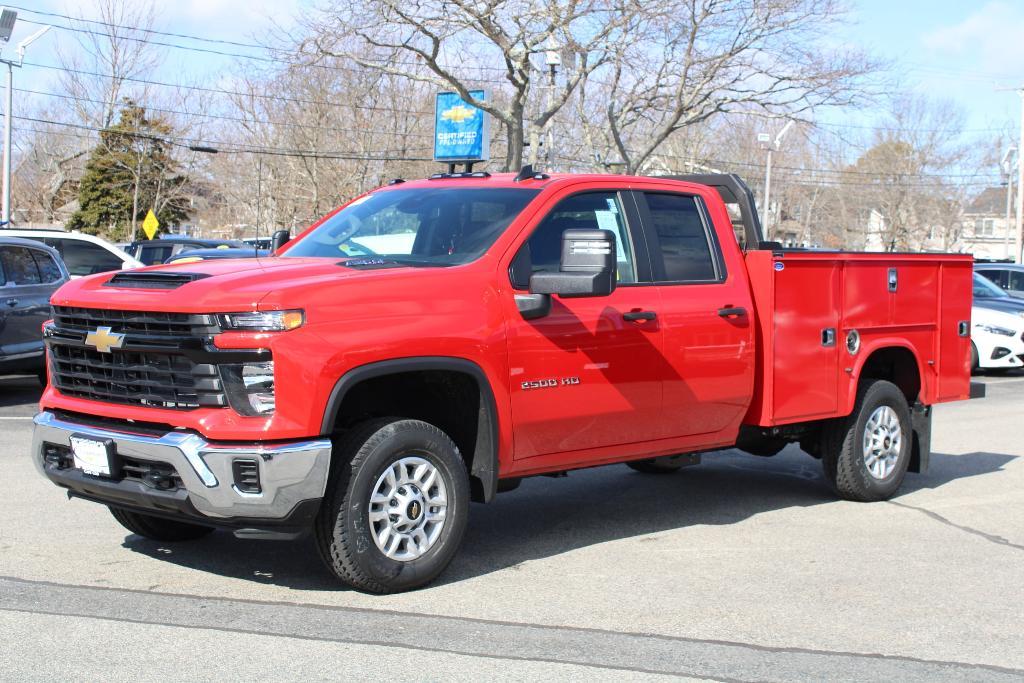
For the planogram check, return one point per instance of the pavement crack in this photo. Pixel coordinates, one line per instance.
(991, 538)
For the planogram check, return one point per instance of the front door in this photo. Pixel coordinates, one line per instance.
(589, 374)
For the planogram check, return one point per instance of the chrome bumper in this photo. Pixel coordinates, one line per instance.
(290, 473)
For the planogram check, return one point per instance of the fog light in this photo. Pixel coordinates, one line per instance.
(250, 387)
(999, 352)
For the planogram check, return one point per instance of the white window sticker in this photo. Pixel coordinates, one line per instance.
(606, 220)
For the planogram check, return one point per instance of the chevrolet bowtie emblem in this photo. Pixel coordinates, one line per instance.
(104, 340)
(458, 114)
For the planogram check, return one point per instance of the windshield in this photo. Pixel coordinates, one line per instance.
(986, 289)
(440, 226)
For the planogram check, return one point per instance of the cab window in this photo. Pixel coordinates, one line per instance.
(682, 249)
(49, 271)
(19, 267)
(587, 211)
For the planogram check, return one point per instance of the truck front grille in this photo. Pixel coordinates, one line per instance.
(141, 327)
(160, 363)
(146, 378)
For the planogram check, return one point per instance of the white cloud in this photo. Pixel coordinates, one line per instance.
(990, 40)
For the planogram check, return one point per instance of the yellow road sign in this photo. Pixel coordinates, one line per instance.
(150, 225)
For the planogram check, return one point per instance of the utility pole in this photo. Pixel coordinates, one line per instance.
(553, 60)
(7, 20)
(1020, 185)
(776, 144)
(1008, 170)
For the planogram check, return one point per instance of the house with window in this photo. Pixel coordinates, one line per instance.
(986, 232)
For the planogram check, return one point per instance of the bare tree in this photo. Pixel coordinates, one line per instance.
(909, 172)
(463, 45)
(109, 53)
(691, 60)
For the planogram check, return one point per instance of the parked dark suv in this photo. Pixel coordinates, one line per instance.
(30, 272)
(1008, 276)
(152, 252)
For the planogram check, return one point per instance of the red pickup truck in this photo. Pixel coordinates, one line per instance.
(433, 342)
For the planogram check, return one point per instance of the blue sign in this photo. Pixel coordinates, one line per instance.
(462, 132)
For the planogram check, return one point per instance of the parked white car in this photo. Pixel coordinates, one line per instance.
(82, 254)
(997, 339)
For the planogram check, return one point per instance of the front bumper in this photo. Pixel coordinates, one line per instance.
(292, 475)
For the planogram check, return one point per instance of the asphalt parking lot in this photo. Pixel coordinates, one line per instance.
(741, 569)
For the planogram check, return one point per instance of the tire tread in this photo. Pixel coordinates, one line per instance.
(331, 530)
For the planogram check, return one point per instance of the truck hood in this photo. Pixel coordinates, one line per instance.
(222, 285)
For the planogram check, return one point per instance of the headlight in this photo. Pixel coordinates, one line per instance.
(993, 329)
(263, 321)
(250, 387)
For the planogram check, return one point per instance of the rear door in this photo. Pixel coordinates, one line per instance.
(26, 302)
(85, 258)
(589, 374)
(705, 313)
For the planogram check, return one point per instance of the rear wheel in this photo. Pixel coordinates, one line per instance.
(396, 506)
(158, 528)
(866, 454)
(974, 358)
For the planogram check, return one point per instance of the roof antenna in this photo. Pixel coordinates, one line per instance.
(525, 174)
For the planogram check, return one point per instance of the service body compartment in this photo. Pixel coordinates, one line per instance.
(808, 303)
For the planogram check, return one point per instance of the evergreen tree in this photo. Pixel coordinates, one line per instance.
(129, 173)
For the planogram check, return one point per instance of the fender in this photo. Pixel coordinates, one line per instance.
(920, 414)
(866, 352)
(485, 455)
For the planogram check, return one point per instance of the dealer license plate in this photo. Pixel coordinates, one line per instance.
(92, 457)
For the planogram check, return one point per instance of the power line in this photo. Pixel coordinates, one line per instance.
(227, 147)
(217, 91)
(238, 55)
(223, 117)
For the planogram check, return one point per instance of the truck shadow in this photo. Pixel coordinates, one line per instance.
(548, 517)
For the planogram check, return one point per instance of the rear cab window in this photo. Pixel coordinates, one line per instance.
(683, 247)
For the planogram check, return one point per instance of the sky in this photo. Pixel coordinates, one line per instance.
(964, 51)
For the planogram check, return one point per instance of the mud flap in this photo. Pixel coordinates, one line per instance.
(921, 448)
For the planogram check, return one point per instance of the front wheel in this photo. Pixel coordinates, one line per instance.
(867, 453)
(396, 506)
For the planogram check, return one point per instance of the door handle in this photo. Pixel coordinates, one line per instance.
(633, 316)
(731, 311)
(12, 302)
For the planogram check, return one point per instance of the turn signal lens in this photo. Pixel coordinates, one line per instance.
(263, 321)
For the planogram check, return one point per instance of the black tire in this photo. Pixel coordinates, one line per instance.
(843, 458)
(975, 365)
(158, 528)
(343, 528)
(664, 465)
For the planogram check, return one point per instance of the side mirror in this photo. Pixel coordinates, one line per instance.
(279, 239)
(587, 267)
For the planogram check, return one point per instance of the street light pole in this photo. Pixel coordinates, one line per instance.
(1008, 170)
(776, 144)
(7, 21)
(7, 145)
(1020, 185)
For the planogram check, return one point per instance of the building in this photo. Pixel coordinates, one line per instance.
(986, 233)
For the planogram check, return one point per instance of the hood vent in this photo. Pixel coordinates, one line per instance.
(153, 280)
